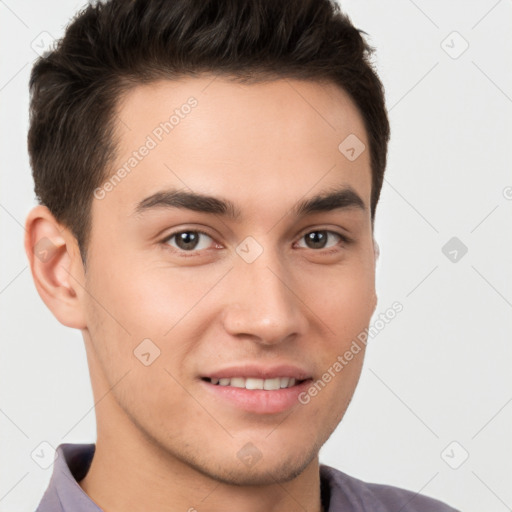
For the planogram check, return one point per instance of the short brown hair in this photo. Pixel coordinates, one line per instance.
(109, 48)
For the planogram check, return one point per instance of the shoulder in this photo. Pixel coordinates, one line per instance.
(347, 491)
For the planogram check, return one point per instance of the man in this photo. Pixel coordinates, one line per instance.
(208, 174)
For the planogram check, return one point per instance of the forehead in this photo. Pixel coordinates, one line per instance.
(212, 135)
(302, 106)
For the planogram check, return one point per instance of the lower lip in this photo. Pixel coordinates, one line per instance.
(260, 401)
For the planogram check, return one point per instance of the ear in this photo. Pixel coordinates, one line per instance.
(376, 251)
(56, 266)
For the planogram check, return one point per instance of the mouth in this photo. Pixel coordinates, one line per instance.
(272, 384)
(256, 395)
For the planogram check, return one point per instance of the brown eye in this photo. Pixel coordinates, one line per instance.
(318, 239)
(189, 240)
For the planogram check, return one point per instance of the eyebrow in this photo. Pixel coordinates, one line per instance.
(334, 199)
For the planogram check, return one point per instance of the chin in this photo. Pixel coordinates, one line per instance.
(261, 472)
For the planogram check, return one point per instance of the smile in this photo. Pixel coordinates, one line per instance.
(255, 383)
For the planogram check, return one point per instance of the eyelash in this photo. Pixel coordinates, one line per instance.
(343, 238)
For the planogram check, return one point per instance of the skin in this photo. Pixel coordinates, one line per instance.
(163, 443)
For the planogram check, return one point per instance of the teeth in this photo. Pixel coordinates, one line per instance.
(237, 382)
(272, 383)
(253, 383)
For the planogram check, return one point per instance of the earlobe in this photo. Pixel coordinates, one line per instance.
(56, 266)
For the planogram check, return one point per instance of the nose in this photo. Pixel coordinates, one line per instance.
(263, 304)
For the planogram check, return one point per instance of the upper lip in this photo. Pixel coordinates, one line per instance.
(260, 372)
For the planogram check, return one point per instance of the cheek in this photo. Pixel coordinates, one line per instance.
(136, 303)
(148, 301)
(343, 299)
(127, 332)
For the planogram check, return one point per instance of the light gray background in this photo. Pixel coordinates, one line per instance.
(439, 372)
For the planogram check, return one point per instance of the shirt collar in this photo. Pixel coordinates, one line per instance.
(72, 461)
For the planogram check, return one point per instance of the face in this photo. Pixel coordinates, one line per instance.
(245, 284)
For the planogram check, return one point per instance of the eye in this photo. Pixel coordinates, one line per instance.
(193, 241)
(318, 239)
(189, 240)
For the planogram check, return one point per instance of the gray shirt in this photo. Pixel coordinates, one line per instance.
(339, 491)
